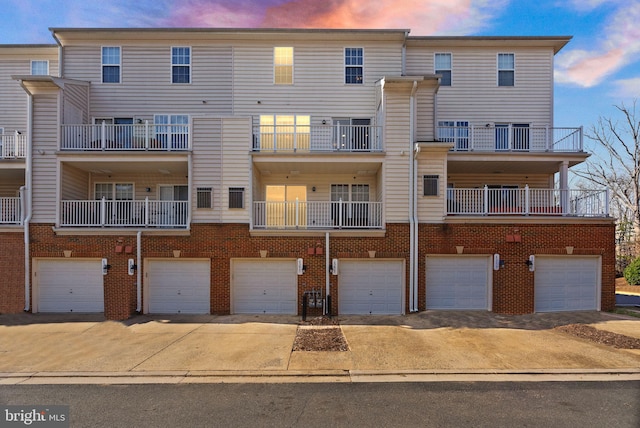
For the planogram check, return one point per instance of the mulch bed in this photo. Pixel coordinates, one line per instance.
(622, 286)
(593, 334)
(320, 334)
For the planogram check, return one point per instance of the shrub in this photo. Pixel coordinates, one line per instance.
(632, 272)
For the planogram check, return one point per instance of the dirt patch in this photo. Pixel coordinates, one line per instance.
(593, 334)
(320, 334)
(622, 286)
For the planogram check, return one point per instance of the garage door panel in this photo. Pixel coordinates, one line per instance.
(566, 283)
(371, 287)
(179, 286)
(457, 282)
(265, 287)
(70, 286)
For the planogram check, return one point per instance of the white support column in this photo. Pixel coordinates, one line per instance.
(564, 186)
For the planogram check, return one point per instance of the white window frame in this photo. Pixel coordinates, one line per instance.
(172, 126)
(282, 66)
(114, 193)
(512, 70)
(350, 66)
(458, 134)
(36, 62)
(439, 70)
(103, 64)
(190, 51)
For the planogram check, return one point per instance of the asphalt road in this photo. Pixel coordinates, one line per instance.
(487, 404)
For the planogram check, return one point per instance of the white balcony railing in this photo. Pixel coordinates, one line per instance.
(511, 138)
(527, 201)
(13, 146)
(107, 213)
(140, 136)
(317, 215)
(10, 212)
(324, 138)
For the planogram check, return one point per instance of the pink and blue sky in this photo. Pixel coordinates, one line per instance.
(600, 67)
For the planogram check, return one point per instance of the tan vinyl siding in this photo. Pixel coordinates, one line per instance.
(146, 86)
(13, 99)
(45, 132)
(10, 187)
(475, 96)
(425, 107)
(398, 141)
(318, 89)
(431, 208)
(74, 184)
(75, 104)
(207, 167)
(236, 135)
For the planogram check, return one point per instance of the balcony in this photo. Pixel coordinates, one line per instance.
(317, 215)
(528, 202)
(322, 138)
(10, 212)
(110, 213)
(512, 138)
(140, 136)
(13, 146)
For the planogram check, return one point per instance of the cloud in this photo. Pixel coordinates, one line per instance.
(627, 88)
(423, 17)
(621, 46)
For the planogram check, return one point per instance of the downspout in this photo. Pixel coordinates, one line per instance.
(139, 272)
(27, 203)
(327, 300)
(413, 286)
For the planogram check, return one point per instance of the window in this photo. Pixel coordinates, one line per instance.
(506, 69)
(283, 132)
(454, 131)
(181, 65)
(172, 131)
(431, 185)
(204, 197)
(353, 66)
(283, 66)
(350, 204)
(236, 197)
(114, 191)
(110, 64)
(443, 67)
(39, 68)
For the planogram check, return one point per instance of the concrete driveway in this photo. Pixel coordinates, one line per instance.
(448, 342)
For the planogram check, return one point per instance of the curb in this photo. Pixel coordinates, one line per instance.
(328, 376)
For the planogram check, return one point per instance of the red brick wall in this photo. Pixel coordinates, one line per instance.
(512, 287)
(12, 272)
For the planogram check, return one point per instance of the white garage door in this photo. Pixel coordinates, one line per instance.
(458, 282)
(72, 285)
(566, 283)
(370, 287)
(178, 286)
(264, 287)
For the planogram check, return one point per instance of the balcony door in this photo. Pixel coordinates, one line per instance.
(352, 134)
(350, 204)
(118, 197)
(120, 132)
(171, 211)
(286, 206)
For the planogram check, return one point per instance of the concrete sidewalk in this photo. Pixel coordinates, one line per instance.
(84, 348)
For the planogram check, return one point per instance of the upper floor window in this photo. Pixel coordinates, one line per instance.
(284, 132)
(110, 64)
(204, 197)
(353, 66)
(236, 197)
(39, 68)
(506, 69)
(443, 67)
(454, 131)
(181, 65)
(283, 66)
